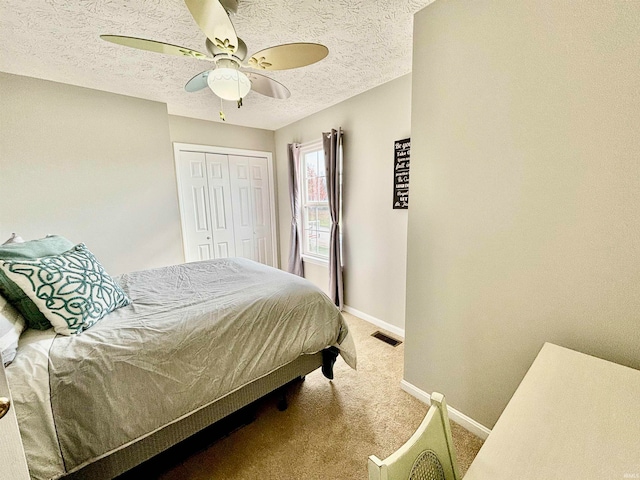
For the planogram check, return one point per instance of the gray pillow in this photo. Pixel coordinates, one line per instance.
(33, 249)
(12, 325)
(72, 289)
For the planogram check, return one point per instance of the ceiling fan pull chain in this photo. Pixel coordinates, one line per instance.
(239, 95)
(222, 117)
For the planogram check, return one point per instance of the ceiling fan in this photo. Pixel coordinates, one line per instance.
(231, 79)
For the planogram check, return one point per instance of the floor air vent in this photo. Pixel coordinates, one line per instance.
(386, 339)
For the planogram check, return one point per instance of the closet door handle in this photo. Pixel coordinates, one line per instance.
(5, 405)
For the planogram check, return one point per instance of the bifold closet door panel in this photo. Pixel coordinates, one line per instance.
(195, 206)
(242, 208)
(250, 193)
(260, 201)
(220, 202)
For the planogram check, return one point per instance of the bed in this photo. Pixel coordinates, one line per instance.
(197, 342)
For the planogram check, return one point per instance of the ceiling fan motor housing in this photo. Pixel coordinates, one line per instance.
(227, 63)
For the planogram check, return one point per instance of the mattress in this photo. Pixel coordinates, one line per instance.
(192, 334)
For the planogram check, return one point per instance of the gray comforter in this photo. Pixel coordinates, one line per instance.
(192, 334)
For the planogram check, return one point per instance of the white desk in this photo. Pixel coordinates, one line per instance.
(573, 417)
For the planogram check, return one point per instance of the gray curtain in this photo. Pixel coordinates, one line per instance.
(332, 143)
(295, 258)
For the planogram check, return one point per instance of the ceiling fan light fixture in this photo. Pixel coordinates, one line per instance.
(229, 83)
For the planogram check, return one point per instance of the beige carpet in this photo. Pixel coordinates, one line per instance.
(328, 431)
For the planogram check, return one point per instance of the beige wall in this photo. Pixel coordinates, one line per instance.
(203, 132)
(98, 168)
(524, 224)
(374, 233)
(92, 166)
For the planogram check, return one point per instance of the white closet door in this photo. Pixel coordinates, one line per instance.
(226, 203)
(195, 205)
(220, 202)
(260, 201)
(242, 208)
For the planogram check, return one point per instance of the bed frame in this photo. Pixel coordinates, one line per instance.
(132, 454)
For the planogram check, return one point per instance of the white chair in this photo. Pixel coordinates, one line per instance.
(427, 455)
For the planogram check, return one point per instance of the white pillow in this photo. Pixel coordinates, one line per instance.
(14, 238)
(11, 326)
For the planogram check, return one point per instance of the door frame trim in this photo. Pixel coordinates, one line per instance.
(191, 147)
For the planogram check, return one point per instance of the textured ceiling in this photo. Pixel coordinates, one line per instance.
(369, 44)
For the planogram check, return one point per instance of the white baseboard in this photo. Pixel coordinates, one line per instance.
(375, 321)
(454, 415)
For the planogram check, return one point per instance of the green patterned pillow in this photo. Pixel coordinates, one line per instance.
(72, 289)
(43, 247)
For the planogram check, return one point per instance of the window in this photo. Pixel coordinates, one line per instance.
(316, 218)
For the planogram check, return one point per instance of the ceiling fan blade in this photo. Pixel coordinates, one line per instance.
(153, 46)
(289, 55)
(213, 20)
(267, 86)
(198, 82)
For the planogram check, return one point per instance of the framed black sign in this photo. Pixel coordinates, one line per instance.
(401, 156)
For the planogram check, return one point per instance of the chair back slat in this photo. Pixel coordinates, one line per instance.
(428, 455)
